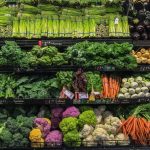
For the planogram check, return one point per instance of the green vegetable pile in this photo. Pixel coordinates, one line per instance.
(88, 54)
(93, 54)
(14, 130)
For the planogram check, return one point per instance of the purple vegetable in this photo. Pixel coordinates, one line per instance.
(54, 138)
(57, 112)
(43, 125)
(136, 36)
(71, 112)
(140, 28)
(55, 122)
(144, 36)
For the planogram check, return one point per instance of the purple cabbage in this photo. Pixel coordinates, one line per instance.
(55, 122)
(43, 125)
(71, 112)
(57, 112)
(54, 138)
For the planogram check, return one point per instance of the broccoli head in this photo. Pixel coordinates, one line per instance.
(68, 124)
(72, 139)
(5, 135)
(87, 117)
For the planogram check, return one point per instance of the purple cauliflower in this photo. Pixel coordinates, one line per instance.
(71, 112)
(54, 138)
(43, 125)
(55, 122)
(57, 112)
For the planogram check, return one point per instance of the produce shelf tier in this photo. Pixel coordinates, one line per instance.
(51, 69)
(60, 41)
(68, 102)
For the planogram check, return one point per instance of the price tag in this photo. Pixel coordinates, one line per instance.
(116, 20)
(83, 95)
(145, 68)
(69, 94)
(18, 101)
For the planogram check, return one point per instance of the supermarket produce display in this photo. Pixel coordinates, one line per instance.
(74, 74)
(73, 127)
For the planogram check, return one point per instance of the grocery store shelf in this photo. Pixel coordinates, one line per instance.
(23, 42)
(68, 102)
(142, 43)
(50, 69)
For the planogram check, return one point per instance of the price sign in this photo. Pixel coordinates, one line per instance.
(48, 43)
(145, 68)
(18, 101)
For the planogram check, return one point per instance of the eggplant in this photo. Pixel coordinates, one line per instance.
(132, 28)
(141, 15)
(148, 28)
(138, 6)
(144, 36)
(135, 36)
(146, 22)
(140, 28)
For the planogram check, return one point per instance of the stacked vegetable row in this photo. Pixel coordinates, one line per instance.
(48, 20)
(72, 126)
(93, 85)
(86, 53)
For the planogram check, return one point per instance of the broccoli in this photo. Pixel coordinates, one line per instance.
(12, 125)
(68, 124)
(72, 139)
(87, 117)
(5, 135)
(25, 131)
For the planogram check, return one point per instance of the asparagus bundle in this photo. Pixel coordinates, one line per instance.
(125, 26)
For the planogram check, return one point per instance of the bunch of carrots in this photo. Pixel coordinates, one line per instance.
(137, 126)
(111, 86)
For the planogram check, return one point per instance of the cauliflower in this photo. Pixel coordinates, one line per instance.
(138, 79)
(110, 129)
(147, 95)
(131, 91)
(57, 112)
(54, 138)
(98, 111)
(113, 121)
(138, 90)
(99, 126)
(127, 95)
(134, 96)
(121, 96)
(89, 141)
(100, 134)
(141, 94)
(71, 112)
(134, 85)
(147, 84)
(124, 80)
(110, 141)
(126, 85)
(99, 119)
(122, 139)
(87, 129)
(106, 114)
(130, 80)
(43, 124)
(145, 89)
(123, 90)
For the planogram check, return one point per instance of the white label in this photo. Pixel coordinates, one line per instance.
(83, 95)
(96, 93)
(69, 94)
(116, 20)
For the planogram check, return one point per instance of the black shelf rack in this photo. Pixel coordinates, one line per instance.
(69, 102)
(63, 42)
(53, 69)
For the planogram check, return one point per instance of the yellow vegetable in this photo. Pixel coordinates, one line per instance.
(144, 60)
(39, 143)
(146, 55)
(139, 54)
(143, 50)
(138, 60)
(148, 61)
(35, 135)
